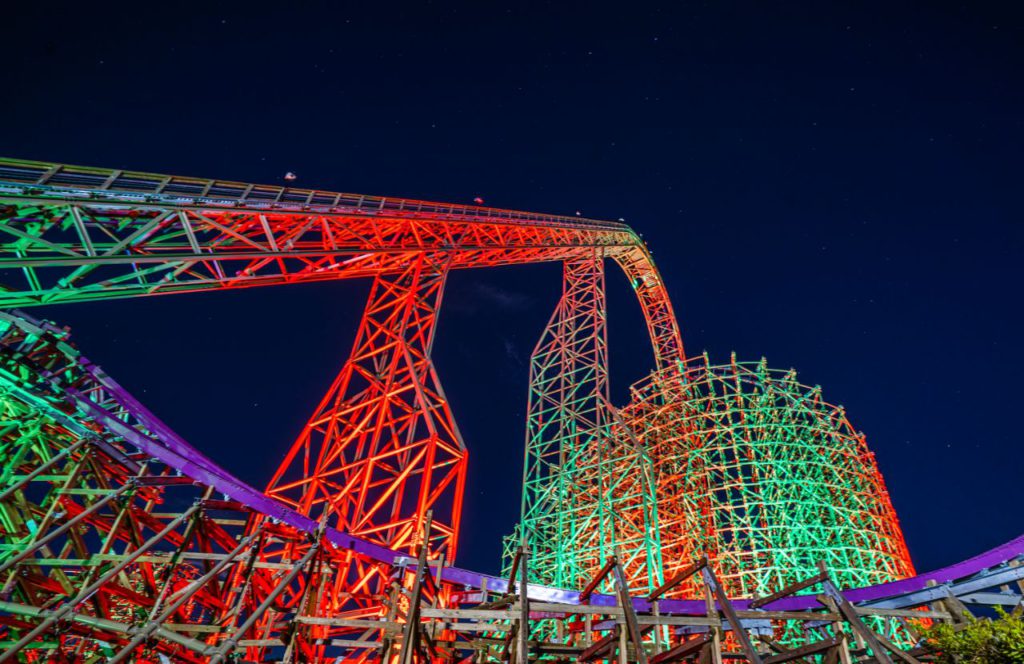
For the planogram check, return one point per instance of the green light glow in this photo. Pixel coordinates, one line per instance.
(750, 467)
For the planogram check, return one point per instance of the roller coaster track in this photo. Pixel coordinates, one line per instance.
(73, 234)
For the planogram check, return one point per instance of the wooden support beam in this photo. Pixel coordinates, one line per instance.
(228, 645)
(713, 653)
(511, 587)
(684, 649)
(411, 633)
(896, 650)
(798, 654)
(598, 578)
(601, 647)
(524, 607)
(730, 613)
(778, 648)
(497, 604)
(687, 572)
(859, 628)
(789, 590)
(957, 608)
(633, 627)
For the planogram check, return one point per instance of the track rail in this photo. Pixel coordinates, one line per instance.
(78, 234)
(87, 182)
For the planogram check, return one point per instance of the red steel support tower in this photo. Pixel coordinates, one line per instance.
(382, 448)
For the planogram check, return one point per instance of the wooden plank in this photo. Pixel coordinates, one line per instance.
(789, 590)
(557, 649)
(184, 627)
(734, 621)
(626, 601)
(58, 562)
(476, 627)
(355, 644)
(368, 623)
(598, 578)
(788, 615)
(687, 572)
(679, 621)
(260, 642)
(578, 609)
(684, 649)
(903, 613)
(798, 653)
(468, 614)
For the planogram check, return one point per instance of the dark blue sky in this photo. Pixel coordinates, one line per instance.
(835, 186)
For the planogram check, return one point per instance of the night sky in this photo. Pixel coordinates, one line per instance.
(836, 188)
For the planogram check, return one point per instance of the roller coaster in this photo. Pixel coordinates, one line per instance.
(728, 512)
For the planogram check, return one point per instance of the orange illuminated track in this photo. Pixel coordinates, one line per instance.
(72, 234)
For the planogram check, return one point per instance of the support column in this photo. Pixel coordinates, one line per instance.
(382, 448)
(587, 485)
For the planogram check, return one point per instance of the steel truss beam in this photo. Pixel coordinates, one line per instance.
(66, 235)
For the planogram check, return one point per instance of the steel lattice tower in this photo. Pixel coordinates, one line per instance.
(383, 449)
(588, 485)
